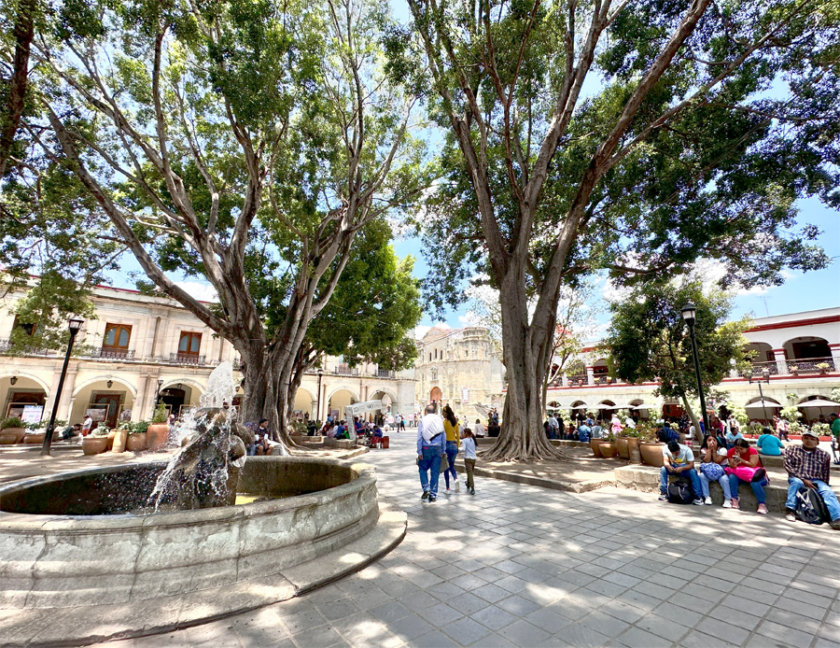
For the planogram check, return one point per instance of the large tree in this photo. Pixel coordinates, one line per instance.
(228, 139)
(648, 339)
(630, 137)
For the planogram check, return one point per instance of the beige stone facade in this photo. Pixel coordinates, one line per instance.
(140, 346)
(461, 367)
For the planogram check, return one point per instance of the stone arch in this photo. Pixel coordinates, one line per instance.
(304, 402)
(28, 376)
(807, 347)
(104, 379)
(340, 398)
(94, 393)
(436, 394)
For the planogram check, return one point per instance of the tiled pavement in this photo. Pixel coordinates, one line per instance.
(522, 566)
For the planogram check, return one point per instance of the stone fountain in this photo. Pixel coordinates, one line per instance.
(146, 548)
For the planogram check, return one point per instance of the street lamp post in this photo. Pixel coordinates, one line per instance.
(73, 324)
(318, 406)
(689, 312)
(764, 378)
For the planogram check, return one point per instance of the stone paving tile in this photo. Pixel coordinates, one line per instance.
(494, 617)
(786, 634)
(734, 633)
(638, 638)
(604, 624)
(524, 633)
(466, 631)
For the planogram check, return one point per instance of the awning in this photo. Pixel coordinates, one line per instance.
(759, 404)
(819, 402)
(583, 406)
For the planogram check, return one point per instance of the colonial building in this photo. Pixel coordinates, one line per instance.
(141, 348)
(461, 367)
(798, 353)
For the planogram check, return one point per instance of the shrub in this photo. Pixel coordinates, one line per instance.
(11, 422)
(161, 414)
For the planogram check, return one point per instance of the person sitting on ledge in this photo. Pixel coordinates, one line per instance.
(745, 466)
(769, 444)
(668, 434)
(678, 459)
(809, 467)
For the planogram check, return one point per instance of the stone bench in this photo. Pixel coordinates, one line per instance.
(646, 478)
(345, 444)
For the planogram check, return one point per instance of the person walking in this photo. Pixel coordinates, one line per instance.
(431, 443)
(468, 445)
(453, 438)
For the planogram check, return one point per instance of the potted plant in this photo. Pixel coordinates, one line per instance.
(650, 448)
(97, 441)
(823, 367)
(158, 433)
(12, 430)
(632, 438)
(607, 447)
(136, 439)
(794, 369)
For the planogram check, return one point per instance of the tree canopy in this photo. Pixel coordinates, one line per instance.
(629, 138)
(649, 340)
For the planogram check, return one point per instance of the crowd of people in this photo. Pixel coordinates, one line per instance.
(733, 463)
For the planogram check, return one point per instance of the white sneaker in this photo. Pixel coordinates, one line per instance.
(727, 503)
(457, 486)
(448, 491)
(708, 501)
(698, 502)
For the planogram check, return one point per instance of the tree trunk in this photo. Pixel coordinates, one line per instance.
(698, 433)
(522, 436)
(24, 31)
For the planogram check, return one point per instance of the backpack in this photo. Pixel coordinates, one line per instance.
(810, 507)
(679, 492)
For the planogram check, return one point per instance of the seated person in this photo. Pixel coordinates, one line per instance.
(769, 444)
(341, 431)
(668, 434)
(595, 430)
(732, 436)
(713, 458)
(71, 431)
(745, 466)
(261, 435)
(809, 467)
(678, 459)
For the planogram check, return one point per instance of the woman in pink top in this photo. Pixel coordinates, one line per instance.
(745, 467)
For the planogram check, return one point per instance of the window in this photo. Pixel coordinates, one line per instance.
(116, 337)
(189, 343)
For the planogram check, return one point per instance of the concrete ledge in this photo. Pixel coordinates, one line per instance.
(339, 443)
(83, 625)
(554, 484)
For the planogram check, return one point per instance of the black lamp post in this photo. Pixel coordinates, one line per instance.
(764, 378)
(318, 406)
(73, 324)
(689, 312)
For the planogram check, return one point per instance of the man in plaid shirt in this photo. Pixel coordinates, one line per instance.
(809, 467)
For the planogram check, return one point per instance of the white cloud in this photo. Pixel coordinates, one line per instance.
(199, 290)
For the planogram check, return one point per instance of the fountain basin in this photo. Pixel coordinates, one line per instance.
(66, 543)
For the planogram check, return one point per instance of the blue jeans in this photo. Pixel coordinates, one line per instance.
(724, 484)
(430, 461)
(451, 453)
(823, 489)
(758, 487)
(692, 477)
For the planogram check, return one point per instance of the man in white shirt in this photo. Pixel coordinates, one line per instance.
(678, 459)
(478, 428)
(431, 444)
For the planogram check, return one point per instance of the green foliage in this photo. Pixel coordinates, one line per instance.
(140, 427)
(374, 307)
(823, 429)
(648, 338)
(161, 414)
(11, 422)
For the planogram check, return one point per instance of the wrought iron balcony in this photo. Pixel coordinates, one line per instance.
(344, 370)
(107, 353)
(187, 359)
(810, 365)
(385, 373)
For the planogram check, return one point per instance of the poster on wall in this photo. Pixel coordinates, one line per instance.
(32, 413)
(96, 414)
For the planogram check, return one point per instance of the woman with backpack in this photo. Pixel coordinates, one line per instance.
(713, 459)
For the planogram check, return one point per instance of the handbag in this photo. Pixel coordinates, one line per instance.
(711, 470)
(444, 463)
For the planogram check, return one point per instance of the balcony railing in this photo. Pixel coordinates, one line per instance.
(187, 359)
(810, 365)
(113, 354)
(759, 367)
(579, 380)
(344, 370)
(385, 373)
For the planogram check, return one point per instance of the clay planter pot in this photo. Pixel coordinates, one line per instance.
(633, 447)
(623, 447)
(92, 445)
(136, 442)
(12, 435)
(595, 445)
(608, 449)
(35, 438)
(120, 437)
(111, 436)
(651, 453)
(157, 435)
